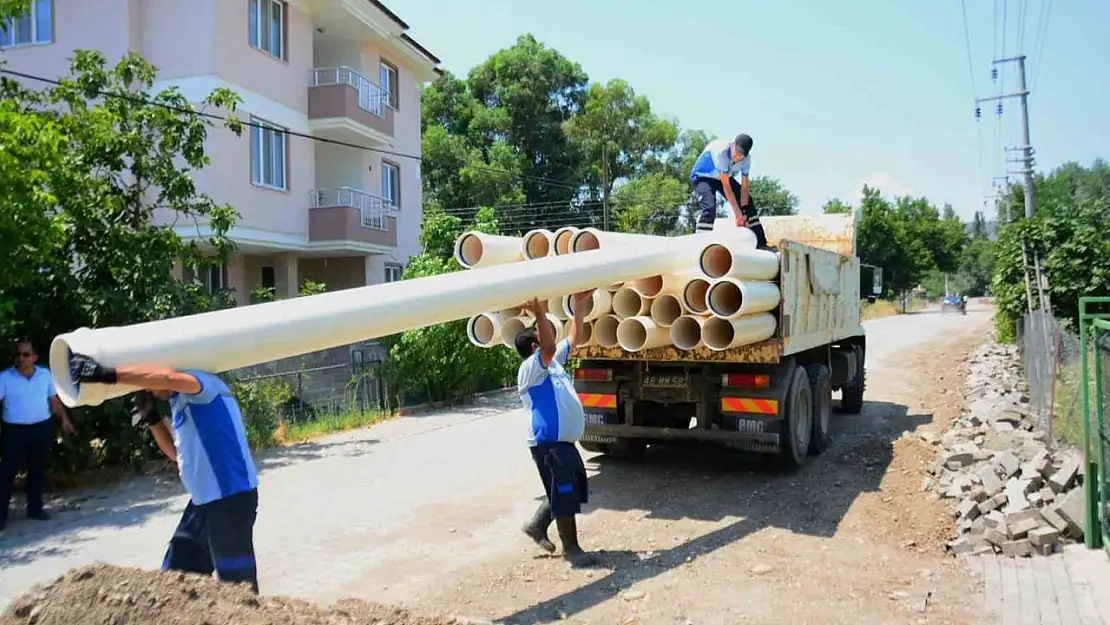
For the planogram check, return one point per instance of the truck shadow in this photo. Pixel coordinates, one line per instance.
(714, 484)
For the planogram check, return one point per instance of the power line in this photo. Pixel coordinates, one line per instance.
(191, 111)
(974, 96)
(1040, 38)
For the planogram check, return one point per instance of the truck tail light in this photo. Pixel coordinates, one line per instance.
(745, 380)
(593, 375)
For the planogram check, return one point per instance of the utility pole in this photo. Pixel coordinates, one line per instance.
(604, 187)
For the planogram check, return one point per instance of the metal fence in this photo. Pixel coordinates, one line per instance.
(1094, 320)
(1050, 354)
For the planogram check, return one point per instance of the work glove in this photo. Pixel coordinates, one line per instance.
(85, 369)
(144, 409)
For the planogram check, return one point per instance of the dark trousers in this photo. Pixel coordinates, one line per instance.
(564, 477)
(707, 189)
(24, 446)
(217, 536)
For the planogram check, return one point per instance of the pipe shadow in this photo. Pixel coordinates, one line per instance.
(344, 446)
(713, 484)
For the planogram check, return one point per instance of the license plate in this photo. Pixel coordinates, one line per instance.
(665, 381)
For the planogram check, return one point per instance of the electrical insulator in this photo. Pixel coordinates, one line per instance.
(978, 112)
(994, 73)
(998, 109)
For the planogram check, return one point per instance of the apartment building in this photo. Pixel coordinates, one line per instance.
(339, 70)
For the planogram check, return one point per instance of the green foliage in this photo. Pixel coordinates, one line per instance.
(650, 204)
(771, 197)
(308, 287)
(81, 177)
(262, 403)
(439, 363)
(836, 206)
(1069, 234)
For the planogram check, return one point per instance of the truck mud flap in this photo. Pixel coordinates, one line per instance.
(594, 419)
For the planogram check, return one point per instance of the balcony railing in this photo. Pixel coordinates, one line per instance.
(371, 97)
(372, 209)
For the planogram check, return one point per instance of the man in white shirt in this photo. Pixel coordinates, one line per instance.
(206, 437)
(715, 171)
(27, 391)
(557, 422)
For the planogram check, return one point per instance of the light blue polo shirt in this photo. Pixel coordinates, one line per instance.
(26, 399)
(549, 398)
(716, 159)
(213, 456)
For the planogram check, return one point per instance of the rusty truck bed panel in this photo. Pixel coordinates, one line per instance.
(765, 352)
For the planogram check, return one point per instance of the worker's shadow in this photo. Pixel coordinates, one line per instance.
(715, 484)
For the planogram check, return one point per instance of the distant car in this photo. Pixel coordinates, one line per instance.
(952, 303)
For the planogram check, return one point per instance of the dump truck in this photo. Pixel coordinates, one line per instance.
(771, 397)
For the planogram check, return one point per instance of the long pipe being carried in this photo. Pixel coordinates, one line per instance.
(729, 298)
(248, 335)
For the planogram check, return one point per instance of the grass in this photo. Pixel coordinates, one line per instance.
(289, 433)
(881, 308)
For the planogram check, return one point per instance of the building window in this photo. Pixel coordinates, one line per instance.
(268, 158)
(391, 184)
(213, 277)
(269, 278)
(34, 27)
(393, 272)
(267, 26)
(387, 75)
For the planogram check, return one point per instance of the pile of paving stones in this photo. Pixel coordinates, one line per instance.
(1011, 490)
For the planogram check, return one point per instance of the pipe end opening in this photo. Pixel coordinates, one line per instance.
(715, 260)
(724, 299)
(694, 295)
(537, 246)
(470, 250)
(631, 335)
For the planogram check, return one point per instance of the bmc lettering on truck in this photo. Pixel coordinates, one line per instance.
(749, 426)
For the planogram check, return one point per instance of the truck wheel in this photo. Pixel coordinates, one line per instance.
(851, 394)
(820, 385)
(597, 448)
(797, 422)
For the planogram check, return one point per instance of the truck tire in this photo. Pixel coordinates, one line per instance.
(820, 385)
(597, 448)
(797, 422)
(851, 394)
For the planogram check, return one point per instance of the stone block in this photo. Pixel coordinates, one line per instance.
(1054, 519)
(994, 519)
(992, 484)
(961, 545)
(1044, 536)
(988, 505)
(995, 537)
(1047, 495)
(1007, 463)
(1071, 508)
(1022, 527)
(967, 510)
(1016, 548)
(1065, 476)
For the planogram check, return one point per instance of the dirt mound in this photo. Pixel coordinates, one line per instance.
(101, 594)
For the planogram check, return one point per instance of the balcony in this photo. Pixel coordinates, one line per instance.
(345, 105)
(347, 214)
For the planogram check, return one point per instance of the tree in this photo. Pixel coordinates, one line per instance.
(771, 197)
(835, 207)
(617, 125)
(80, 181)
(538, 90)
(978, 226)
(439, 363)
(651, 204)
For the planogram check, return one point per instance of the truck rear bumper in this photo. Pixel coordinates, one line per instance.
(606, 433)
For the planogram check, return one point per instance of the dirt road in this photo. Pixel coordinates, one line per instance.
(425, 512)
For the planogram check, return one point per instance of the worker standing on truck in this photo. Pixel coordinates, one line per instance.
(209, 445)
(715, 172)
(557, 422)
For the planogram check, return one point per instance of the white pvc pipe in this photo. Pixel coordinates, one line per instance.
(693, 295)
(248, 335)
(639, 333)
(647, 287)
(664, 310)
(686, 331)
(721, 334)
(674, 283)
(514, 326)
(478, 249)
(600, 303)
(605, 330)
(484, 330)
(537, 243)
(719, 260)
(729, 298)
(588, 239)
(587, 337)
(555, 307)
(562, 239)
(628, 303)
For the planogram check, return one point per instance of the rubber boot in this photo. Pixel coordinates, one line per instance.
(536, 529)
(572, 552)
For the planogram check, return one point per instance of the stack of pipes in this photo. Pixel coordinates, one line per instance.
(722, 300)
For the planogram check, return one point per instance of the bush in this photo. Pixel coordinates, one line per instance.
(262, 403)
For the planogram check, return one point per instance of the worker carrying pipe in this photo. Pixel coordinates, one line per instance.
(209, 445)
(557, 422)
(715, 172)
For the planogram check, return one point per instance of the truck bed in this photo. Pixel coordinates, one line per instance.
(820, 305)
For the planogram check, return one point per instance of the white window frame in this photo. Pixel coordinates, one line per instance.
(387, 79)
(393, 272)
(274, 138)
(32, 29)
(261, 22)
(391, 184)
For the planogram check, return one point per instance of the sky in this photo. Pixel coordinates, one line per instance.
(835, 93)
